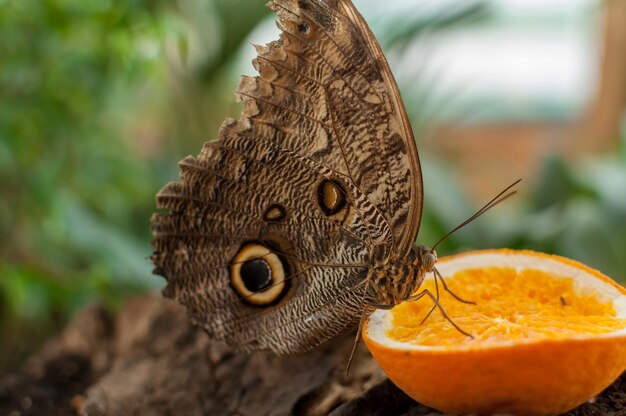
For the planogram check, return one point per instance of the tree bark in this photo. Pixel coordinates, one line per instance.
(148, 360)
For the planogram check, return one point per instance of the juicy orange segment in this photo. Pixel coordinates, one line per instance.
(511, 305)
(549, 334)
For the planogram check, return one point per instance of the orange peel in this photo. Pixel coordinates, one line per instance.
(549, 334)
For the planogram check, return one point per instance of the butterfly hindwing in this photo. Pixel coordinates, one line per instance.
(268, 238)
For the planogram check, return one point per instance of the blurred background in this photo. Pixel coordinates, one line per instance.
(99, 99)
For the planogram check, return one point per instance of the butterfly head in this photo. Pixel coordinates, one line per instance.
(425, 258)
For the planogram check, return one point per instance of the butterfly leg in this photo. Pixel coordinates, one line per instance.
(443, 312)
(445, 286)
(437, 296)
(382, 306)
(357, 340)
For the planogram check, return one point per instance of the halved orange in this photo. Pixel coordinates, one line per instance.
(549, 334)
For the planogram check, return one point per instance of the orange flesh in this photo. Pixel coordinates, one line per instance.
(528, 305)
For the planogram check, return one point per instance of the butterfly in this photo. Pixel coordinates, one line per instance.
(301, 218)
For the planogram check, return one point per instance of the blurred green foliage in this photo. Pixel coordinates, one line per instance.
(75, 195)
(101, 98)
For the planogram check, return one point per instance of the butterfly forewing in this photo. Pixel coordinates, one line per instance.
(369, 119)
(318, 179)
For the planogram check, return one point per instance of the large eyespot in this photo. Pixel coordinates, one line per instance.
(331, 197)
(257, 274)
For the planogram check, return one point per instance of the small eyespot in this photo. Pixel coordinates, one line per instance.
(257, 274)
(304, 28)
(275, 213)
(331, 197)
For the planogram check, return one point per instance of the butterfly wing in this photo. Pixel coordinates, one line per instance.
(269, 236)
(369, 119)
(403, 189)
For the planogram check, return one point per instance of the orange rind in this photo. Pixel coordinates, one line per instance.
(549, 334)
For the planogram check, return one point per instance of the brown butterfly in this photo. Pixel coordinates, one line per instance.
(301, 218)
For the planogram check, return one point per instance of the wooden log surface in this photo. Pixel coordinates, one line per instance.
(148, 360)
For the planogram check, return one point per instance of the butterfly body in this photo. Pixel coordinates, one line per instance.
(396, 279)
(302, 215)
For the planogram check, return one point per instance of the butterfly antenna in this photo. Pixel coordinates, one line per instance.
(502, 196)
